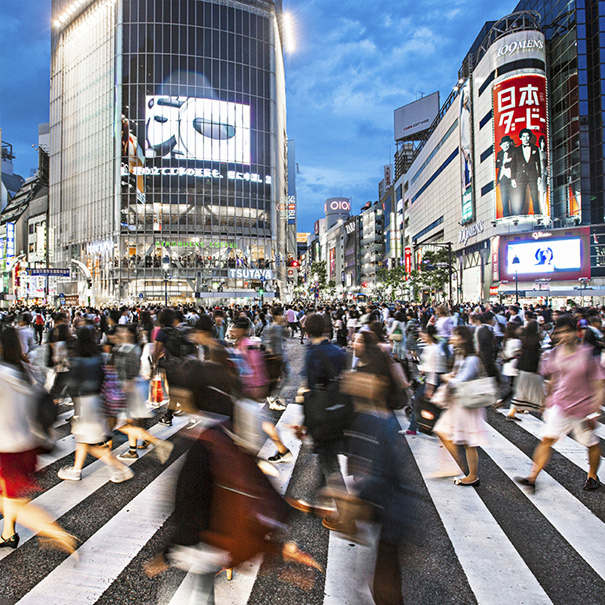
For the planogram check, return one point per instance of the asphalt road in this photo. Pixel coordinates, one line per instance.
(493, 544)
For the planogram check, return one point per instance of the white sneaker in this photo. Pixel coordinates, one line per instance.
(163, 450)
(122, 475)
(277, 405)
(69, 473)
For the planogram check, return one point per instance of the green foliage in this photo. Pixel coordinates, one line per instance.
(431, 276)
(319, 268)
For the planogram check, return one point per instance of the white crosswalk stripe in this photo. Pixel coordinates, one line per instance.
(481, 545)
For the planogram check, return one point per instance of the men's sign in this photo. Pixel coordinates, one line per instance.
(251, 274)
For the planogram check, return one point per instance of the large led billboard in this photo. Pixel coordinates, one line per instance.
(563, 254)
(197, 129)
(521, 144)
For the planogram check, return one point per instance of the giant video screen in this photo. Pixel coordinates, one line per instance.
(559, 255)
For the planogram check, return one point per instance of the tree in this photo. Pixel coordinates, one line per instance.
(434, 277)
(319, 268)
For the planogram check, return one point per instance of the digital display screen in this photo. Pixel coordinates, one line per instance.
(553, 256)
(191, 128)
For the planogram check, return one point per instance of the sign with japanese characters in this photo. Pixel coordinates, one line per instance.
(521, 146)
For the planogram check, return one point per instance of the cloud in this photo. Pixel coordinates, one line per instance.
(357, 62)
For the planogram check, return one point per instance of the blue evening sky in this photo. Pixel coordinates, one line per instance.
(354, 62)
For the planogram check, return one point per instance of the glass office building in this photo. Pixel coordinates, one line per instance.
(575, 49)
(168, 145)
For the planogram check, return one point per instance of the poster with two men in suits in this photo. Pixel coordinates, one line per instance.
(521, 145)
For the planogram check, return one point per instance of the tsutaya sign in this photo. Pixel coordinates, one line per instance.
(251, 274)
(470, 231)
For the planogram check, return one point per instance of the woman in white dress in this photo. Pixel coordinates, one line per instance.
(459, 425)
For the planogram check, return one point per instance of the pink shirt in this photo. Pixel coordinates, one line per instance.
(573, 375)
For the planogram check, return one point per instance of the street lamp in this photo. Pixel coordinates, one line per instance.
(516, 261)
(165, 267)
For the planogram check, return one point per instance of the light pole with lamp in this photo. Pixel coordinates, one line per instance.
(516, 261)
(166, 267)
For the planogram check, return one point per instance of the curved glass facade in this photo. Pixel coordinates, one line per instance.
(200, 147)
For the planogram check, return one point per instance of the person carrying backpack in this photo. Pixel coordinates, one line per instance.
(39, 322)
(324, 363)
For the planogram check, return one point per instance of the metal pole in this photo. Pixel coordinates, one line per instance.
(166, 289)
(516, 286)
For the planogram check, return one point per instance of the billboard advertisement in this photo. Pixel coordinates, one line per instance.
(197, 129)
(332, 263)
(416, 117)
(465, 124)
(521, 146)
(562, 254)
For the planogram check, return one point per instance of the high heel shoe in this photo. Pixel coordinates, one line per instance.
(459, 481)
(11, 542)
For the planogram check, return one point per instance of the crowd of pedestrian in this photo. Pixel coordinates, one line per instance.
(366, 367)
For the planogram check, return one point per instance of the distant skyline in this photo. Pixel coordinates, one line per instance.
(354, 63)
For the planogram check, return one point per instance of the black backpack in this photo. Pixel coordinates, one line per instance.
(327, 411)
(177, 349)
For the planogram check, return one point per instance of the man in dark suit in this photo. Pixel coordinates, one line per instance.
(504, 163)
(526, 173)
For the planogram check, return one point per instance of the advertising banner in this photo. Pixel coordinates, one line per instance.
(465, 123)
(408, 262)
(332, 263)
(291, 210)
(521, 146)
(495, 258)
(562, 254)
(416, 117)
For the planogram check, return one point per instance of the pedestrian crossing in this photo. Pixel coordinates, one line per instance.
(489, 545)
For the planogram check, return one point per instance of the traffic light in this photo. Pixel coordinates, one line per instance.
(261, 292)
(294, 263)
(89, 282)
(364, 285)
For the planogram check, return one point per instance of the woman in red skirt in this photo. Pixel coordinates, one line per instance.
(19, 446)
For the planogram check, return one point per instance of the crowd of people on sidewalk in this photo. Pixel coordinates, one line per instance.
(223, 370)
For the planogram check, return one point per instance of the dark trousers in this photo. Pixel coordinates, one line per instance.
(520, 203)
(387, 575)
(327, 454)
(39, 333)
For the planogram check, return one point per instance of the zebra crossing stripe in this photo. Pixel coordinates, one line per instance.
(471, 527)
(577, 524)
(110, 549)
(67, 494)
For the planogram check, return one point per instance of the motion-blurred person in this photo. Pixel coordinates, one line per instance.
(573, 404)
(89, 425)
(528, 388)
(127, 361)
(19, 447)
(433, 365)
(459, 425)
(396, 335)
(511, 348)
(26, 333)
(225, 508)
(324, 363)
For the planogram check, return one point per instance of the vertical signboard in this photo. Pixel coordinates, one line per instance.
(332, 263)
(291, 210)
(388, 175)
(465, 126)
(10, 240)
(408, 262)
(521, 144)
(495, 258)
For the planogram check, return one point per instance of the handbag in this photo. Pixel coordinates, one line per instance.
(479, 393)
(89, 424)
(396, 336)
(529, 392)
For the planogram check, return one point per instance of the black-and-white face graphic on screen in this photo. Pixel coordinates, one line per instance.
(191, 128)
